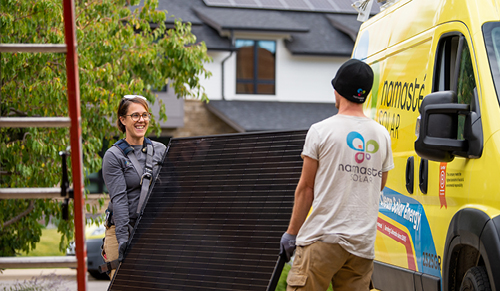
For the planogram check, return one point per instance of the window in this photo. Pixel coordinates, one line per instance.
(466, 86)
(454, 72)
(255, 67)
(491, 32)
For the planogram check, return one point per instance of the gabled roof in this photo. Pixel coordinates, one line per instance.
(322, 39)
(248, 116)
(328, 31)
(225, 19)
(345, 23)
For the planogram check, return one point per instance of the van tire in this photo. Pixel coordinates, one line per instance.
(476, 279)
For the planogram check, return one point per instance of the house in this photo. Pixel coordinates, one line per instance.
(273, 61)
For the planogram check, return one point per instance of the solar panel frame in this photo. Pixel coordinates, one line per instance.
(215, 215)
(335, 6)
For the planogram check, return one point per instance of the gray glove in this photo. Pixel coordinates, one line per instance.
(121, 250)
(287, 245)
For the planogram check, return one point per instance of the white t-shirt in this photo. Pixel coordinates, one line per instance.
(352, 152)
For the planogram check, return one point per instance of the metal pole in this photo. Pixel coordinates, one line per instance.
(20, 122)
(76, 142)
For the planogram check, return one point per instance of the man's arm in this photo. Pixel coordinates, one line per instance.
(304, 195)
(384, 180)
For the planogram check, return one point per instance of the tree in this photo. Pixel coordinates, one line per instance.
(120, 51)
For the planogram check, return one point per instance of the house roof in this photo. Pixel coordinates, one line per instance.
(211, 37)
(322, 39)
(247, 116)
(345, 23)
(336, 6)
(249, 20)
(327, 31)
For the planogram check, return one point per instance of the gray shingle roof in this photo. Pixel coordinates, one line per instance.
(312, 33)
(211, 37)
(322, 39)
(249, 19)
(345, 23)
(246, 116)
(181, 9)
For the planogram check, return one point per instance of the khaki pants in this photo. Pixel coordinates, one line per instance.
(319, 263)
(110, 247)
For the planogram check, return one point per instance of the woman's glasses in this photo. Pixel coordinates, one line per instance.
(136, 116)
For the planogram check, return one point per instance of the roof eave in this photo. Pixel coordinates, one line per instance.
(323, 54)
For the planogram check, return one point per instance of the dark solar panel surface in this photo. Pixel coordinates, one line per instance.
(215, 216)
(342, 6)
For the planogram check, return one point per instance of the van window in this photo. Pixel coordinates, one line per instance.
(445, 65)
(491, 33)
(466, 85)
(448, 77)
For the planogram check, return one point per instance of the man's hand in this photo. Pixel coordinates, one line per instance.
(287, 245)
(121, 250)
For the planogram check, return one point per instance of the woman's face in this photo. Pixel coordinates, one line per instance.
(135, 130)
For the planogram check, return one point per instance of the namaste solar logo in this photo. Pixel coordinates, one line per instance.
(356, 142)
(361, 92)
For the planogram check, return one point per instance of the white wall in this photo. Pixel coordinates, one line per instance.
(298, 78)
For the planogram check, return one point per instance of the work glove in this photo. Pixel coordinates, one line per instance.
(121, 250)
(287, 245)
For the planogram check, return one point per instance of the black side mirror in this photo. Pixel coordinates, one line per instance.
(437, 127)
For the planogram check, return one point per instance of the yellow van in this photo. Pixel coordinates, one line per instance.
(437, 91)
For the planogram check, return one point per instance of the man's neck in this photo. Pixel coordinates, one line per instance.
(351, 109)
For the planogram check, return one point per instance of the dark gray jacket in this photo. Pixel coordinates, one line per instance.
(123, 183)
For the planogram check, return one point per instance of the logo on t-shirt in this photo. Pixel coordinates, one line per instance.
(356, 142)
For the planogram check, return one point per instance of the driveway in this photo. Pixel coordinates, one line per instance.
(52, 279)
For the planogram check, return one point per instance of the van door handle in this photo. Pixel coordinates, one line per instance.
(410, 174)
(423, 175)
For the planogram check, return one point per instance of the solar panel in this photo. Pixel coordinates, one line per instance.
(297, 5)
(272, 4)
(214, 217)
(323, 5)
(341, 6)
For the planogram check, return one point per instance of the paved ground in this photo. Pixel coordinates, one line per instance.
(53, 279)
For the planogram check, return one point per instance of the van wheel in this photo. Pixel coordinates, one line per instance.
(476, 279)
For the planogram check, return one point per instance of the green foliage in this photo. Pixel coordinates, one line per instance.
(120, 52)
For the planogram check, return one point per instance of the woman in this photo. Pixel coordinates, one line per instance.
(122, 170)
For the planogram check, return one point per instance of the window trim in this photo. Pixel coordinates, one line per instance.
(255, 81)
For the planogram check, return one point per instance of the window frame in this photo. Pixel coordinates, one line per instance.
(255, 81)
(450, 51)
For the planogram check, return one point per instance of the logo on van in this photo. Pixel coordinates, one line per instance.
(357, 142)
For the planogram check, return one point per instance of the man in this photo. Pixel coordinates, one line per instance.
(346, 162)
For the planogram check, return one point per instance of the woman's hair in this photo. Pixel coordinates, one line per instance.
(123, 108)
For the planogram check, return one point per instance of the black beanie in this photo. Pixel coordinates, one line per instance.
(353, 80)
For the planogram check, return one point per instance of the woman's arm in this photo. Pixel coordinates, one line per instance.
(113, 175)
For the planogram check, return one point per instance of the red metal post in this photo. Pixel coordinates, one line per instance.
(76, 142)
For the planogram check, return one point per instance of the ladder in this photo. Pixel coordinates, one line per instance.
(74, 123)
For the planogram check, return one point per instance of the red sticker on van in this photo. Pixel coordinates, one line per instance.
(442, 185)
